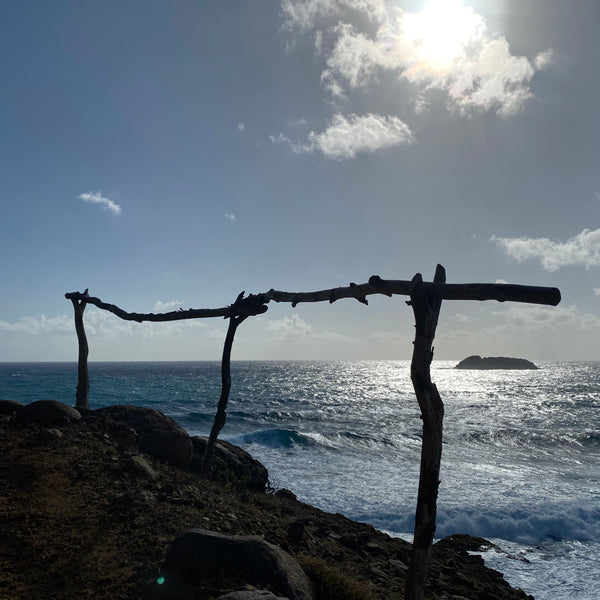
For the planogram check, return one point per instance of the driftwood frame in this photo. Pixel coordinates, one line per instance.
(425, 299)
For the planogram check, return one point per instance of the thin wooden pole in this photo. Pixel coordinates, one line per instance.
(83, 381)
(426, 304)
(221, 415)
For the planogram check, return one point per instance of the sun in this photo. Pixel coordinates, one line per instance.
(441, 33)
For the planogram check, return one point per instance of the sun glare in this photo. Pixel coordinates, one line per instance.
(441, 32)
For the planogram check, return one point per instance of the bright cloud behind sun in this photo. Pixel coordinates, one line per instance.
(446, 47)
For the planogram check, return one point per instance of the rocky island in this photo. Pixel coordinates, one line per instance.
(109, 504)
(494, 362)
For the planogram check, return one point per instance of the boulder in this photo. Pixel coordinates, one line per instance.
(10, 407)
(49, 435)
(197, 553)
(231, 464)
(140, 466)
(494, 362)
(159, 435)
(49, 412)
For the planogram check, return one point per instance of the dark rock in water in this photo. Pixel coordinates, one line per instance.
(49, 412)
(231, 464)
(159, 435)
(10, 407)
(494, 362)
(197, 553)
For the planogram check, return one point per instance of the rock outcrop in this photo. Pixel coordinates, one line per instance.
(88, 516)
(197, 553)
(49, 412)
(10, 407)
(159, 435)
(494, 362)
(230, 464)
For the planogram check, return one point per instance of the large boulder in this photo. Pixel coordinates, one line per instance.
(230, 464)
(49, 412)
(10, 407)
(198, 553)
(159, 435)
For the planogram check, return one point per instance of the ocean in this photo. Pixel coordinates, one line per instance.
(520, 462)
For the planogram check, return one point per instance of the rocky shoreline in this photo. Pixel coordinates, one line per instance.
(101, 505)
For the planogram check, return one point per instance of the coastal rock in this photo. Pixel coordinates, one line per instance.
(104, 526)
(231, 464)
(140, 466)
(495, 362)
(49, 412)
(10, 407)
(159, 435)
(285, 493)
(197, 553)
(49, 435)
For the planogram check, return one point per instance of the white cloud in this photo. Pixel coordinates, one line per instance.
(241, 126)
(295, 328)
(40, 325)
(531, 331)
(546, 321)
(597, 291)
(230, 216)
(445, 46)
(460, 318)
(101, 324)
(582, 249)
(292, 326)
(544, 59)
(345, 137)
(98, 198)
(301, 15)
(169, 306)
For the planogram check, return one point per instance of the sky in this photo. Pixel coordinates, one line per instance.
(169, 155)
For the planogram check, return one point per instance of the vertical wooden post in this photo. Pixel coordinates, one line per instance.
(221, 416)
(426, 306)
(83, 382)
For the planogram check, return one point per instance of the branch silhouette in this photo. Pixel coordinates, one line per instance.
(255, 304)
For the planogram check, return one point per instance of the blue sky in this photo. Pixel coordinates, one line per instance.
(173, 154)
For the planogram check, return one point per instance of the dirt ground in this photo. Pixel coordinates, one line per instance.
(80, 519)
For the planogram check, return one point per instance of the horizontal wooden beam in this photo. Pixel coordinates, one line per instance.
(255, 304)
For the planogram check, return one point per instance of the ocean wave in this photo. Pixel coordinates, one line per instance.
(276, 438)
(336, 441)
(548, 522)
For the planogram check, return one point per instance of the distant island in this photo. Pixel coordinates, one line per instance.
(494, 362)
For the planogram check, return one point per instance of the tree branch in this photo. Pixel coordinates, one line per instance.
(256, 304)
